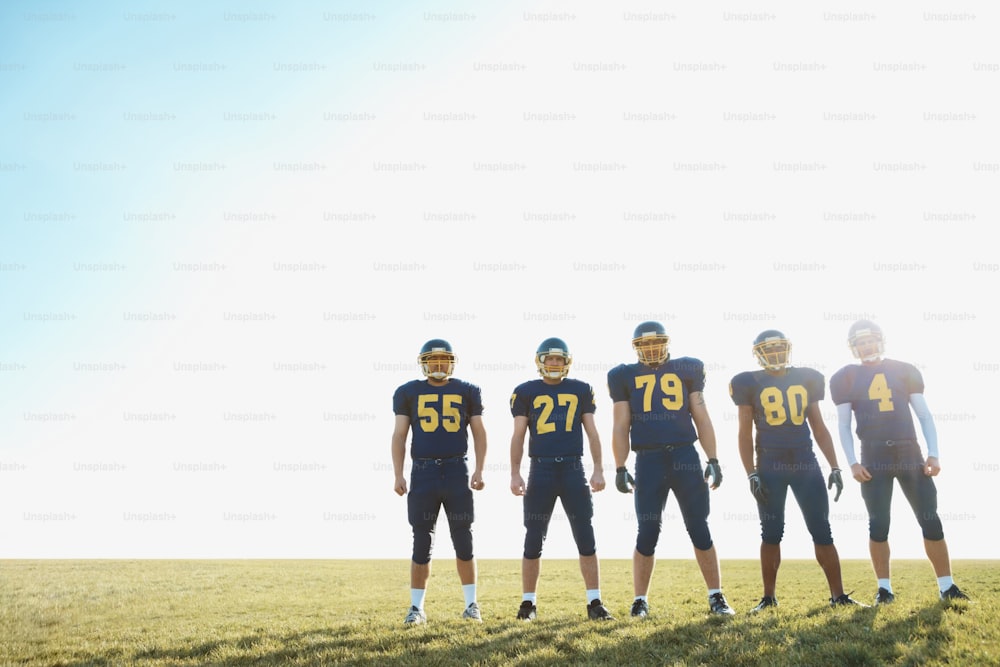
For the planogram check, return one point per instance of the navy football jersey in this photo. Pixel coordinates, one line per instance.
(879, 394)
(658, 398)
(779, 404)
(439, 416)
(555, 415)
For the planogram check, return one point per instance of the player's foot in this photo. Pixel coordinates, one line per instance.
(846, 600)
(884, 596)
(765, 602)
(527, 611)
(953, 593)
(471, 613)
(718, 605)
(596, 611)
(640, 609)
(415, 617)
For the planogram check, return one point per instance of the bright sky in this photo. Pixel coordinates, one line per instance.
(227, 230)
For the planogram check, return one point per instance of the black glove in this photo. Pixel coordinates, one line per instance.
(713, 470)
(623, 480)
(758, 489)
(835, 480)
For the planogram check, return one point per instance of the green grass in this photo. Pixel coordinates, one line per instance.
(350, 612)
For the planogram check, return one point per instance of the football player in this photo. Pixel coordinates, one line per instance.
(659, 412)
(441, 410)
(880, 393)
(783, 403)
(557, 410)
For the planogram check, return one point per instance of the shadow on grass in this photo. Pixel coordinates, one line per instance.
(817, 636)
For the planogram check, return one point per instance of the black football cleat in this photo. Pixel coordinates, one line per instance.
(596, 611)
(954, 593)
(718, 605)
(884, 597)
(415, 617)
(764, 603)
(527, 611)
(845, 600)
(640, 609)
(471, 613)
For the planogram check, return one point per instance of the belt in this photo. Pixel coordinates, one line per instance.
(782, 451)
(555, 459)
(888, 443)
(661, 448)
(443, 460)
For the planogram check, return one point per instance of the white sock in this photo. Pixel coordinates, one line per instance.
(469, 590)
(944, 583)
(641, 597)
(713, 591)
(417, 597)
(593, 594)
(884, 583)
(530, 597)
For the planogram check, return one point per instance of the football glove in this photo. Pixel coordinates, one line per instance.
(835, 480)
(758, 489)
(714, 471)
(623, 480)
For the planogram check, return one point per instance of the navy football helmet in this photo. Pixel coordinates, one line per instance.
(434, 352)
(866, 340)
(772, 349)
(650, 342)
(553, 347)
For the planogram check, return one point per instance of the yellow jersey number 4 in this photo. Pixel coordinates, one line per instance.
(879, 391)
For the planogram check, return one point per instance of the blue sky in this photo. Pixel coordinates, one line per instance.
(227, 228)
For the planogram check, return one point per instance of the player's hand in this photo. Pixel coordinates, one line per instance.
(516, 484)
(931, 466)
(623, 480)
(400, 486)
(860, 473)
(597, 480)
(835, 480)
(714, 471)
(477, 483)
(758, 489)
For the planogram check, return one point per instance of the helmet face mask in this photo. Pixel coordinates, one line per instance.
(651, 343)
(553, 359)
(772, 350)
(866, 341)
(436, 360)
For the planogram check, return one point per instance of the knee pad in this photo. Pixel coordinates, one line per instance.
(534, 538)
(931, 527)
(423, 544)
(770, 534)
(461, 538)
(878, 530)
(586, 542)
(701, 536)
(649, 535)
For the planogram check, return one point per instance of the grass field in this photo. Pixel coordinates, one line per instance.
(350, 612)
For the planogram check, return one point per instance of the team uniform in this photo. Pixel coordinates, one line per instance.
(439, 419)
(784, 447)
(662, 435)
(879, 395)
(555, 448)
